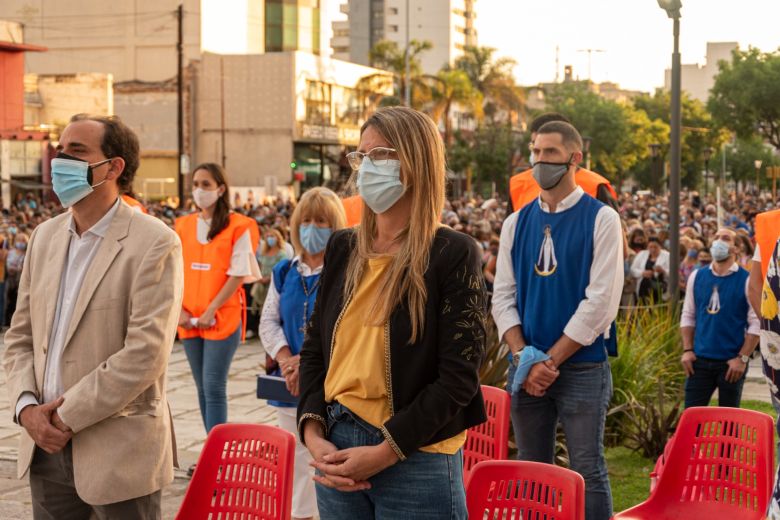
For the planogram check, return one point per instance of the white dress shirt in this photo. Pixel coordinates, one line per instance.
(598, 309)
(688, 318)
(640, 261)
(271, 332)
(81, 252)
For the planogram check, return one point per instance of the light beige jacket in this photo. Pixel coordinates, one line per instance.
(115, 359)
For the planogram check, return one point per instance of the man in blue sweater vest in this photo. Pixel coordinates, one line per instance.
(559, 278)
(719, 327)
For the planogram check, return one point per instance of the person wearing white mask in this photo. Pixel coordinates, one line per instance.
(219, 247)
(288, 308)
(389, 379)
(719, 328)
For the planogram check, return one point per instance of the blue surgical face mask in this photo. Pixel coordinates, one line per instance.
(720, 250)
(380, 186)
(271, 241)
(314, 238)
(21, 246)
(71, 178)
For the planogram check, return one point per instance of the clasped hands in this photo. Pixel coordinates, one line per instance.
(349, 469)
(45, 426)
(540, 377)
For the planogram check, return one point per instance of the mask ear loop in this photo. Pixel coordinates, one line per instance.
(89, 173)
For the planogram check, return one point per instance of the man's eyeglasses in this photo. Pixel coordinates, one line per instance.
(378, 157)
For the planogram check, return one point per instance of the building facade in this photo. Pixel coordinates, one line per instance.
(447, 24)
(697, 80)
(279, 118)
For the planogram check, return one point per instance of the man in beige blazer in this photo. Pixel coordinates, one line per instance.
(87, 352)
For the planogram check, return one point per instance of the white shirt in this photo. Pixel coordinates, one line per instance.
(688, 318)
(243, 261)
(597, 311)
(640, 261)
(271, 332)
(81, 252)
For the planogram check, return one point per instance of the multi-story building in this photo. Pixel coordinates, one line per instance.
(447, 24)
(697, 80)
(278, 118)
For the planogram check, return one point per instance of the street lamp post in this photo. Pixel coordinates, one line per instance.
(672, 8)
(707, 152)
(655, 149)
(757, 163)
(586, 142)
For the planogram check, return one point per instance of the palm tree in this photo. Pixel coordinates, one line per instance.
(493, 78)
(453, 87)
(390, 57)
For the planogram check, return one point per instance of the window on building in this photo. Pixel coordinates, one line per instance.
(292, 25)
(392, 28)
(393, 10)
(318, 103)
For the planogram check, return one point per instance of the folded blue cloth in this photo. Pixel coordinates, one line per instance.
(529, 356)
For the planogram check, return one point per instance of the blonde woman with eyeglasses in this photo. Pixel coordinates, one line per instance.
(389, 366)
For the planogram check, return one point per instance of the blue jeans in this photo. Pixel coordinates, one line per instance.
(210, 363)
(424, 486)
(578, 399)
(709, 374)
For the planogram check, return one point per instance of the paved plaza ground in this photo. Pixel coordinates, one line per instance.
(243, 406)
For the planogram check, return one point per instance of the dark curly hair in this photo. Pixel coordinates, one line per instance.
(119, 140)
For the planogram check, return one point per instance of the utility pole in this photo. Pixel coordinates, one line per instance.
(222, 106)
(407, 67)
(180, 103)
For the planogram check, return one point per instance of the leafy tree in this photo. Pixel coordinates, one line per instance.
(746, 95)
(699, 131)
(740, 160)
(450, 88)
(492, 150)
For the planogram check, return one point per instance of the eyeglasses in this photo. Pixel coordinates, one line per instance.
(378, 156)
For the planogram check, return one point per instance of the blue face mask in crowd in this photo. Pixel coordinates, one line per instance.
(313, 238)
(719, 250)
(71, 178)
(380, 186)
(21, 246)
(271, 241)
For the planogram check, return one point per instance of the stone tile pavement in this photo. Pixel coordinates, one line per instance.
(243, 406)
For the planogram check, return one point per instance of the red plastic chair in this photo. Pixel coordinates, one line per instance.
(244, 471)
(719, 466)
(489, 440)
(525, 490)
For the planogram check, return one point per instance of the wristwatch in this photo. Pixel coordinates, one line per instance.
(745, 359)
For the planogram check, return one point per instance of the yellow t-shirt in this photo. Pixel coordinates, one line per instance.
(358, 375)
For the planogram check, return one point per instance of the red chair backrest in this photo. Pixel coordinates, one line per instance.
(244, 470)
(489, 440)
(723, 460)
(521, 489)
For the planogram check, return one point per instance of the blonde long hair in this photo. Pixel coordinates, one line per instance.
(420, 150)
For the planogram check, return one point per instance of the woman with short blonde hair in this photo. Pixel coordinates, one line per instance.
(287, 309)
(389, 367)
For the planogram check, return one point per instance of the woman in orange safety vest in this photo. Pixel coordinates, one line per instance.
(218, 247)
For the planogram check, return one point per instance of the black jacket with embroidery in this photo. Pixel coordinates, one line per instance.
(434, 389)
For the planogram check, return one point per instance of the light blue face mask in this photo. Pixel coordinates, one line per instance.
(380, 185)
(71, 178)
(719, 250)
(271, 241)
(313, 238)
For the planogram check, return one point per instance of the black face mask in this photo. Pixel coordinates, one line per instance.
(638, 245)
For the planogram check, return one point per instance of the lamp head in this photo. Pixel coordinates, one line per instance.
(672, 7)
(757, 163)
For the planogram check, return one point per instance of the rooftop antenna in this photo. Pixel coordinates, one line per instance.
(590, 59)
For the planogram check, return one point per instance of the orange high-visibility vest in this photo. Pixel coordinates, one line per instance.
(353, 207)
(523, 188)
(767, 233)
(205, 273)
(130, 201)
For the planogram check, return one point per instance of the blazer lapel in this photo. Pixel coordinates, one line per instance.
(107, 251)
(60, 243)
